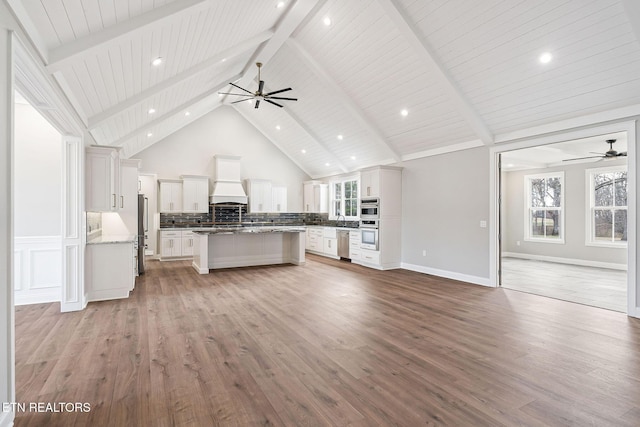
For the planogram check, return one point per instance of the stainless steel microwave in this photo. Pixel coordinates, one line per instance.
(369, 208)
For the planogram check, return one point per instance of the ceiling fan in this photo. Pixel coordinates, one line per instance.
(259, 95)
(611, 153)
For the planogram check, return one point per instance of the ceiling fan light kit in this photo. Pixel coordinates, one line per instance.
(609, 154)
(259, 95)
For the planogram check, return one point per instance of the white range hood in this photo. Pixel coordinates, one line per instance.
(227, 186)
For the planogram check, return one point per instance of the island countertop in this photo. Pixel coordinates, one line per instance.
(259, 229)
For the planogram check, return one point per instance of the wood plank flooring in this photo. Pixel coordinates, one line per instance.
(597, 287)
(328, 343)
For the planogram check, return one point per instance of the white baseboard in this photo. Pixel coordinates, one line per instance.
(571, 261)
(476, 280)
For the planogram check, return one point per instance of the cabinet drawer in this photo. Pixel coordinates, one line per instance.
(372, 257)
(316, 232)
(166, 234)
(355, 254)
(329, 233)
(187, 233)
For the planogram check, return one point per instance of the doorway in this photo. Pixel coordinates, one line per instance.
(563, 228)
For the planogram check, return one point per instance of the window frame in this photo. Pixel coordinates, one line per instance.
(590, 207)
(332, 198)
(528, 208)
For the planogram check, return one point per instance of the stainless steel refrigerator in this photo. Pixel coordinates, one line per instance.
(143, 229)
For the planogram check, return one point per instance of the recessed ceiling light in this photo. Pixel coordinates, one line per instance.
(545, 58)
(327, 164)
(404, 113)
(303, 151)
(280, 4)
(353, 157)
(149, 135)
(187, 113)
(340, 137)
(510, 165)
(156, 62)
(224, 60)
(151, 110)
(278, 127)
(326, 21)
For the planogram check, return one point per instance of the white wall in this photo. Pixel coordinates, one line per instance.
(38, 174)
(190, 151)
(444, 198)
(576, 206)
(37, 208)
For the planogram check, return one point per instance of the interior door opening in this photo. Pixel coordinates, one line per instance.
(562, 230)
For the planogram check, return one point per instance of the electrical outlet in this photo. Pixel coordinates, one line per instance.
(483, 224)
(424, 252)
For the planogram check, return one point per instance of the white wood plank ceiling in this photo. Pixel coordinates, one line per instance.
(464, 71)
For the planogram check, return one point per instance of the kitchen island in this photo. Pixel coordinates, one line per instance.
(225, 247)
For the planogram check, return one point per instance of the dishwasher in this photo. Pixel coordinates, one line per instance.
(343, 243)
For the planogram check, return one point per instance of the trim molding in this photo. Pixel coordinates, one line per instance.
(6, 419)
(475, 280)
(33, 255)
(571, 261)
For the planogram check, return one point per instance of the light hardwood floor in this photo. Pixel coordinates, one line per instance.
(597, 287)
(328, 343)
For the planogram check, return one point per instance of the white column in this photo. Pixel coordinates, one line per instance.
(7, 326)
(73, 297)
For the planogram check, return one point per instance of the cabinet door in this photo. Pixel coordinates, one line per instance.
(308, 198)
(170, 197)
(279, 195)
(102, 166)
(128, 200)
(166, 247)
(259, 195)
(187, 245)
(195, 195)
(330, 246)
(370, 184)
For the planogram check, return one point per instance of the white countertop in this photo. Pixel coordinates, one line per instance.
(115, 238)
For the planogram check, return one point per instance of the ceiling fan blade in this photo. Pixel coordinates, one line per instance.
(623, 154)
(260, 86)
(241, 88)
(274, 103)
(240, 100)
(286, 99)
(277, 91)
(257, 103)
(231, 93)
(582, 158)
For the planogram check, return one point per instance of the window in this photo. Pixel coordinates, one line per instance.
(544, 218)
(607, 206)
(344, 198)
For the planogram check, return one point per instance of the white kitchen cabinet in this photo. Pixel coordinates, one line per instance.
(315, 195)
(102, 179)
(315, 239)
(128, 198)
(195, 194)
(354, 245)
(370, 183)
(170, 244)
(110, 270)
(188, 243)
(170, 199)
(260, 197)
(330, 241)
(279, 198)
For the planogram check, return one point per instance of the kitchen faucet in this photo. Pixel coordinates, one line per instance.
(344, 220)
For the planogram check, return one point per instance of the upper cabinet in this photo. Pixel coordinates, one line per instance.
(170, 200)
(195, 194)
(128, 198)
(385, 183)
(279, 198)
(370, 183)
(315, 197)
(102, 179)
(260, 197)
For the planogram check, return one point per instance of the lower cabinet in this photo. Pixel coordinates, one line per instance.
(354, 245)
(322, 241)
(187, 243)
(330, 241)
(110, 270)
(315, 240)
(176, 244)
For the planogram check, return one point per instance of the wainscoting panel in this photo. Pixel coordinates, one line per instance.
(38, 267)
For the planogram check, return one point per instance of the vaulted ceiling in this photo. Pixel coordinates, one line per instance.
(464, 71)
